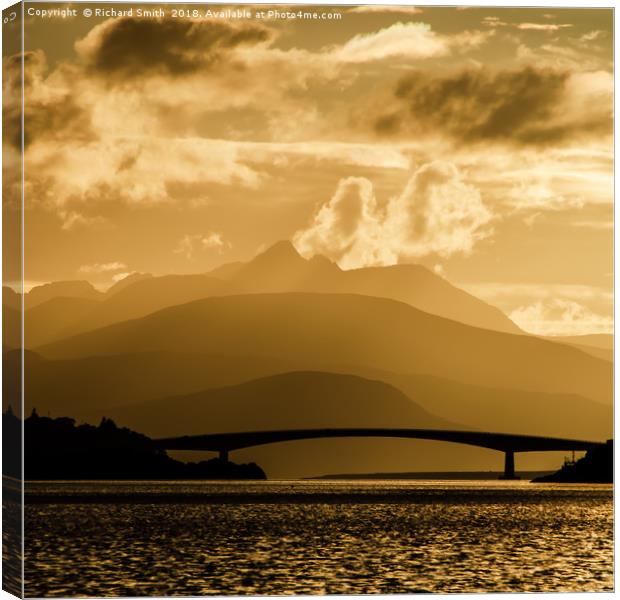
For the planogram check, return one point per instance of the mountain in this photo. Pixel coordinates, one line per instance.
(79, 386)
(125, 282)
(330, 329)
(90, 387)
(505, 410)
(285, 401)
(278, 269)
(50, 319)
(422, 289)
(601, 353)
(11, 328)
(97, 386)
(11, 298)
(147, 295)
(68, 289)
(604, 341)
(281, 269)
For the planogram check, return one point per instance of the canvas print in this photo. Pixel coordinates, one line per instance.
(307, 299)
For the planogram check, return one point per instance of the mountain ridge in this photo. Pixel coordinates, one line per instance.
(362, 330)
(279, 269)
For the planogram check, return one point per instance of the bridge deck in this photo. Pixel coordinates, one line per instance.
(503, 442)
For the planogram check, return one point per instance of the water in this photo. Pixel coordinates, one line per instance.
(175, 538)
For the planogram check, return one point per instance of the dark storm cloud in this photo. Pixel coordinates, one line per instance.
(133, 47)
(46, 116)
(471, 106)
(57, 121)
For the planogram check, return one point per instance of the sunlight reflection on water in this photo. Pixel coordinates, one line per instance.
(447, 537)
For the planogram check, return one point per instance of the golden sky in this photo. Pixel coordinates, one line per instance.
(477, 142)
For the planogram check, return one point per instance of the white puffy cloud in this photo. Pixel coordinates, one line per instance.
(75, 180)
(189, 244)
(415, 40)
(103, 267)
(560, 317)
(347, 229)
(404, 40)
(437, 213)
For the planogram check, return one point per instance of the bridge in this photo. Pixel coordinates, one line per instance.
(223, 443)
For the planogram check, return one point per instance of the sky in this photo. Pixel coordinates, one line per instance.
(477, 142)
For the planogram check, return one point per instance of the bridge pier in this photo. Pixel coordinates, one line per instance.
(224, 455)
(509, 465)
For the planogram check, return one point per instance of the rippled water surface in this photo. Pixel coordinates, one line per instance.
(316, 538)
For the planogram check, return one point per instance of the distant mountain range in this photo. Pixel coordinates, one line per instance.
(292, 400)
(341, 329)
(67, 308)
(96, 386)
(281, 269)
(281, 341)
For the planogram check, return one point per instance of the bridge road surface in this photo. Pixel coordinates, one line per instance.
(223, 443)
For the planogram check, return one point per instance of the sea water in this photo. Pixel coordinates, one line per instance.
(316, 537)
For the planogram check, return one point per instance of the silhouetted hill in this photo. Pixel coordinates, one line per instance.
(56, 289)
(597, 466)
(328, 329)
(601, 353)
(597, 345)
(50, 319)
(90, 387)
(226, 270)
(506, 410)
(281, 269)
(278, 269)
(100, 382)
(285, 401)
(595, 340)
(11, 298)
(58, 449)
(11, 327)
(11, 444)
(149, 295)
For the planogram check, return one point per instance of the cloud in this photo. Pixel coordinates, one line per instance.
(383, 8)
(386, 156)
(404, 40)
(102, 267)
(601, 225)
(120, 276)
(541, 292)
(560, 317)
(137, 171)
(542, 26)
(493, 22)
(132, 47)
(529, 106)
(591, 36)
(72, 219)
(413, 40)
(539, 194)
(50, 111)
(435, 214)
(189, 245)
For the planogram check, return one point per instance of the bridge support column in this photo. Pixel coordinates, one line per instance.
(509, 465)
(224, 455)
